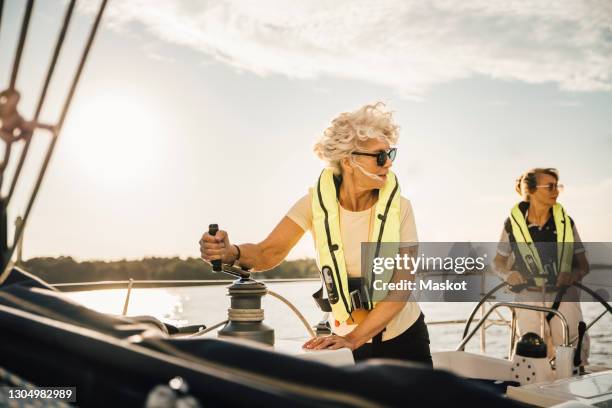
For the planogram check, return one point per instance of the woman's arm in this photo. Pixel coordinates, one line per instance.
(581, 263)
(500, 268)
(257, 257)
(386, 310)
(581, 269)
(374, 323)
(272, 250)
(500, 263)
(583, 266)
(376, 320)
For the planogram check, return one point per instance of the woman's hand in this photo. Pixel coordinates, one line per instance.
(213, 247)
(332, 342)
(515, 278)
(565, 279)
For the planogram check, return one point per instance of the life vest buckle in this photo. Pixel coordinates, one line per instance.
(356, 299)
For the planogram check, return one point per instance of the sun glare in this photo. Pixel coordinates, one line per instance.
(159, 303)
(115, 138)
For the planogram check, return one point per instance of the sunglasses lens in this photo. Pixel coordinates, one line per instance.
(552, 187)
(381, 158)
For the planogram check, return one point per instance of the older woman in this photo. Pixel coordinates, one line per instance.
(355, 199)
(540, 248)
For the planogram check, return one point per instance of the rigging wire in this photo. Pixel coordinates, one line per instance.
(1, 8)
(57, 129)
(22, 39)
(43, 95)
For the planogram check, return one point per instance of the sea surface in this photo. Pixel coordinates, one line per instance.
(208, 305)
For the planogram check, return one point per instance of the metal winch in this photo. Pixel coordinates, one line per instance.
(245, 315)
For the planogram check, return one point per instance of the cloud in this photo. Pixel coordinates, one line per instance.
(155, 56)
(409, 46)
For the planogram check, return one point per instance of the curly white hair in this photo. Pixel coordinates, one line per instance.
(349, 128)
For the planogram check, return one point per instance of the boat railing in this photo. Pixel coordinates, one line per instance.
(155, 283)
(484, 322)
(513, 306)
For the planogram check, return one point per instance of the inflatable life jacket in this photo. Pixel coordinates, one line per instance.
(528, 251)
(329, 248)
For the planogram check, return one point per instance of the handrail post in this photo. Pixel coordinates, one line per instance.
(483, 330)
(512, 333)
(127, 296)
(509, 305)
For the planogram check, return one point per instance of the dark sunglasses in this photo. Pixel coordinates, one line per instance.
(381, 157)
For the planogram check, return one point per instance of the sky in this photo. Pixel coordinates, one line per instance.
(197, 112)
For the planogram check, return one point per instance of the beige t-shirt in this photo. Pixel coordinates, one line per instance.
(354, 229)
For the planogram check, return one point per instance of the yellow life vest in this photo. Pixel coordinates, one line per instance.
(528, 250)
(328, 241)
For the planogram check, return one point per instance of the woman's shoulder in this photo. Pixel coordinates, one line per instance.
(408, 231)
(406, 211)
(303, 203)
(405, 204)
(301, 212)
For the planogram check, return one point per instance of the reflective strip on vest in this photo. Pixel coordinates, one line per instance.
(328, 238)
(528, 250)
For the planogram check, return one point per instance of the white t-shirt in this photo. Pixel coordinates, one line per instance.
(354, 229)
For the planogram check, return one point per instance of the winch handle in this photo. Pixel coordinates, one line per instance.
(216, 264)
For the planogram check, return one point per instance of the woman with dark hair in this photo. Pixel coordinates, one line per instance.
(541, 250)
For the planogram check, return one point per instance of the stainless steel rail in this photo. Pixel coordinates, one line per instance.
(514, 306)
(159, 283)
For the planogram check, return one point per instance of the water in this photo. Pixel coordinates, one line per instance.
(208, 305)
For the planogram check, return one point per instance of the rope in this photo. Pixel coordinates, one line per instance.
(295, 310)
(257, 315)
(208, 329)
(245, 315)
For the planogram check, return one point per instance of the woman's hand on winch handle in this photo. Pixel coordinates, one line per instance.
(218, 246)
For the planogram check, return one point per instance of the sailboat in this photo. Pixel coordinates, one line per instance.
(48, 340)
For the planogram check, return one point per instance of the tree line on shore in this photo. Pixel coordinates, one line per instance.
(65, 269)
